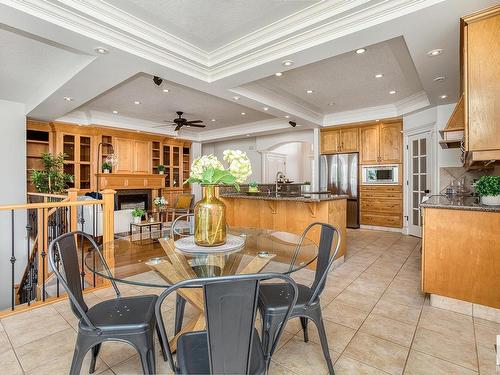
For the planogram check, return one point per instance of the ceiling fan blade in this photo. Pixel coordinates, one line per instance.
(178, 127)
(194, 121)
(160, 126)
(197, 126)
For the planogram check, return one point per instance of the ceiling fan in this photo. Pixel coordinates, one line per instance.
(180, 122)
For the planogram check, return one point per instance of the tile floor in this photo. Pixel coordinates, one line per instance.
(377, 322)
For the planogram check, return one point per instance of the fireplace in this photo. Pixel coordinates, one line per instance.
(130, 199)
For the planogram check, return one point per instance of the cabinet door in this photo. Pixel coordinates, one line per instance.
(391, 143)
(142, 156)
(349, 140)
(124, 149)
(330, 141)
(369, 144)
(483, 70)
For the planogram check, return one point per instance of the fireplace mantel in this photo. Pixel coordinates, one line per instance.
(123, 181)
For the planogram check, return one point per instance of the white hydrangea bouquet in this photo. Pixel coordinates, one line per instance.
(208, 170)
(160, 202)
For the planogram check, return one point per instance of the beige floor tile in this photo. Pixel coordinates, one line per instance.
(403, 297)
(132, 366)
(33, 324)
(356, 300)
(303, 358)
(376, 352)
(448, 323)
(401, 313)
(423, 364)
(389, 329)
(276, 369)
(338, 335)
(459, 352)
(487, 361)
(344, 314)
(4, 340)
(114, 352)
(486, 332)
(9, 364)
(349, 366)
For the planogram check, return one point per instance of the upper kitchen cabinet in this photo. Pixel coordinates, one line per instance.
(481, 84)
(382, 143)
(339, 140)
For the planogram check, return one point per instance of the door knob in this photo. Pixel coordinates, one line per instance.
(427, 191)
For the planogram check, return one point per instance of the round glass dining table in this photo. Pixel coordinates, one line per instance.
(152, 259)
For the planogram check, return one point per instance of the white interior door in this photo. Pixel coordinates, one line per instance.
(273, 163)
(419, 184)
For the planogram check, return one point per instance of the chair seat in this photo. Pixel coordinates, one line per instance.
(192, 354)
(125, 314)
(275, 298)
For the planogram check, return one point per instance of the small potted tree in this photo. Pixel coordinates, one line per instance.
(137, 215)
(161, 169)
(106, 167)
(51, 179)
(488, 187)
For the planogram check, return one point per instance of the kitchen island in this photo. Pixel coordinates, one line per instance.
(461, 254)
(288, 213)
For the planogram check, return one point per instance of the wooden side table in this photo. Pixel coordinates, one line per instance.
(149, 226)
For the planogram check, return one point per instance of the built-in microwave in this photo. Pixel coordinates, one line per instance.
(380, 174)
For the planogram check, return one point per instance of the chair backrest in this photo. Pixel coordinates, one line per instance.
(65, 249)
(184, 201)
(326, 254)
(230, 310)
(176, 225)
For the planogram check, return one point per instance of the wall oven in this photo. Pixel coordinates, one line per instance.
(380, 174)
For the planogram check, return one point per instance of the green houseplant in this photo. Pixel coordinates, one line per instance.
(253, 187)
(161, 169)
(51, 179)
(137, 214)
(305, 189)
(488, 187)
(106, 167)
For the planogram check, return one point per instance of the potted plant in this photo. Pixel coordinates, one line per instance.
(51, 179)
(160, 202)
(137, 214)
(488, 187)
(305, 189)
(161, 169)
(106, 167)
(253, 187)
(210, 212)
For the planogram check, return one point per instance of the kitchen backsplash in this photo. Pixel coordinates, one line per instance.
(449, 174)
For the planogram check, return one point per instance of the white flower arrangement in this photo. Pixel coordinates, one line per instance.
(208, 170)
(160, 202)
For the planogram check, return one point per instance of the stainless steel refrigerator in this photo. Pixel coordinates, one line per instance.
(339, 175)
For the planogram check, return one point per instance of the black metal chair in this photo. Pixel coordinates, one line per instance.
(230, 344)
(273, 298)
(127, 319)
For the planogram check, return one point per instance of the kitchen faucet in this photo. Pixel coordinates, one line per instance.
(278, 176)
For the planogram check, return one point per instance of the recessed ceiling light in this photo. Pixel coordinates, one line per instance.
(439, 79)
(137, 102)
(331, 103)
(379, 75)
(236, 97)
(359, 51)
(138, 131)
(165, 90)
(248, 135)
(392, 92)
(265, 109)
(68, 98)
(443, 96)
(101, 50)
(309, 91)
(435, 52)
(213, 120)
(278, 74)
(115, 112)
(287, 116)
(243, 113)
(287, 63)
(377, 120)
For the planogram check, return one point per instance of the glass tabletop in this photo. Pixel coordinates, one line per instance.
(152, 258)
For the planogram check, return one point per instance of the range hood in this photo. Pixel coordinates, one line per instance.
(453, 133)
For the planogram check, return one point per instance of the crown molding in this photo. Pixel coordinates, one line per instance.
(253, 128)
(307, 28)
(412, 103)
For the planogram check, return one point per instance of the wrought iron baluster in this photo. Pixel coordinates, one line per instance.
(43, 253)
(12, 257)
(82, 272)
(28, 264)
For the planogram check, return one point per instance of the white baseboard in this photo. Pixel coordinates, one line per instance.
(464, 307)
(385, 229)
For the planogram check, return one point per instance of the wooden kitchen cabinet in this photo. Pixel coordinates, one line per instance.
(369, 144)
(134, 156)
(390, 143)
(339, 140)
(142, 151)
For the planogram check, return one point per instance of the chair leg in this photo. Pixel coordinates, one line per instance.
(95, 353)
(162, 345)
(82, 346)
(270, 326)
(318, 320)
(303, 323)
(145, 346)
(180, 304)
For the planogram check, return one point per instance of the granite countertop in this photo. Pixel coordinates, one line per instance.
(314, 198)
(458, 203)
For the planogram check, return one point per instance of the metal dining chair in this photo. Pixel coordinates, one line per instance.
(273, 298)
(125, 319)
(230, 344)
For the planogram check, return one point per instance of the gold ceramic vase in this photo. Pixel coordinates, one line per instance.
(209, 219)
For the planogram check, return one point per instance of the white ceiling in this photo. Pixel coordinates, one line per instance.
(210, 24)
(348, 80)
(157, 106)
